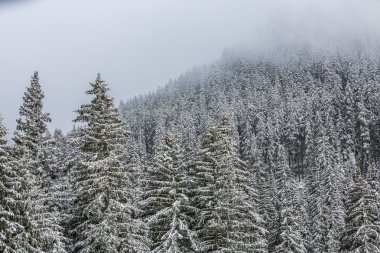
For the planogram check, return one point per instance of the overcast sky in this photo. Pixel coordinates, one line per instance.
(139, 45)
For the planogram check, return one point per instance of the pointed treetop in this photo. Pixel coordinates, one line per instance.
(104, 129)
(3, 133)
(31, 126)
(99, 86)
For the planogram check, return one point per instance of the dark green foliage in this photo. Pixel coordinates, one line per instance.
(105, 206)
(227, 219)
(166, 201)
(362, 231)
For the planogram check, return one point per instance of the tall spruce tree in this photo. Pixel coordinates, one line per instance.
(105, 205)
(58, 193)
(362, 230)
(267, 199)
(31, 126)
(227, 219)
(10, 226)
(363, 137)
(290, 233)
(166, 200)
(31, 157)
(326, 204)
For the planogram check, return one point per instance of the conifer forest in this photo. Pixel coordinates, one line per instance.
(248, 154)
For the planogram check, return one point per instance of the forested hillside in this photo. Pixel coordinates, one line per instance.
(307, 129)
(249, 154)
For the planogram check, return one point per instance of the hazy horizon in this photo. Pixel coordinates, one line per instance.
(138, 46)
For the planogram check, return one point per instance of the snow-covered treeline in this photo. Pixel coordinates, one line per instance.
(306, 126)
(245, 155)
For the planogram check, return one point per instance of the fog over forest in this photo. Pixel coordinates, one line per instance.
(140, 45)
(203, 126)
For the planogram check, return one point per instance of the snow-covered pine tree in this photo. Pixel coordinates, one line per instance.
(362, 230)
(300, 207)
(290, 232)
(10, 226)
(326, 199)
(348, 128)
(105, 206)
(332, 189)
(267, 199)
(61, 187)
(227, 219)
(374, 180)
(166, 202)
(363, 137)
(49, 200)
(31, 155)
(31, 126)
(58, 193)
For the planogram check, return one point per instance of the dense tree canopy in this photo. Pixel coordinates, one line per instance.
(250, 154)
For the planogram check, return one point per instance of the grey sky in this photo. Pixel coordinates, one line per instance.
(139, 45)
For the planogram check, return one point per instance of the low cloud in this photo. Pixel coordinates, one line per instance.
(140, 45)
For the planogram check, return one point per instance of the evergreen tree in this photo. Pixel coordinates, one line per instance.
(58, 193)
(166, 200)
(327, 214)
(267, 200)
(363, 137)
(31, 126)
(105, 205)
(290, 237)
(362, 231)
(31, 159)
(10, 226)
(227, 219)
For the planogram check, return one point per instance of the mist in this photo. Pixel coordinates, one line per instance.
(140, 45)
